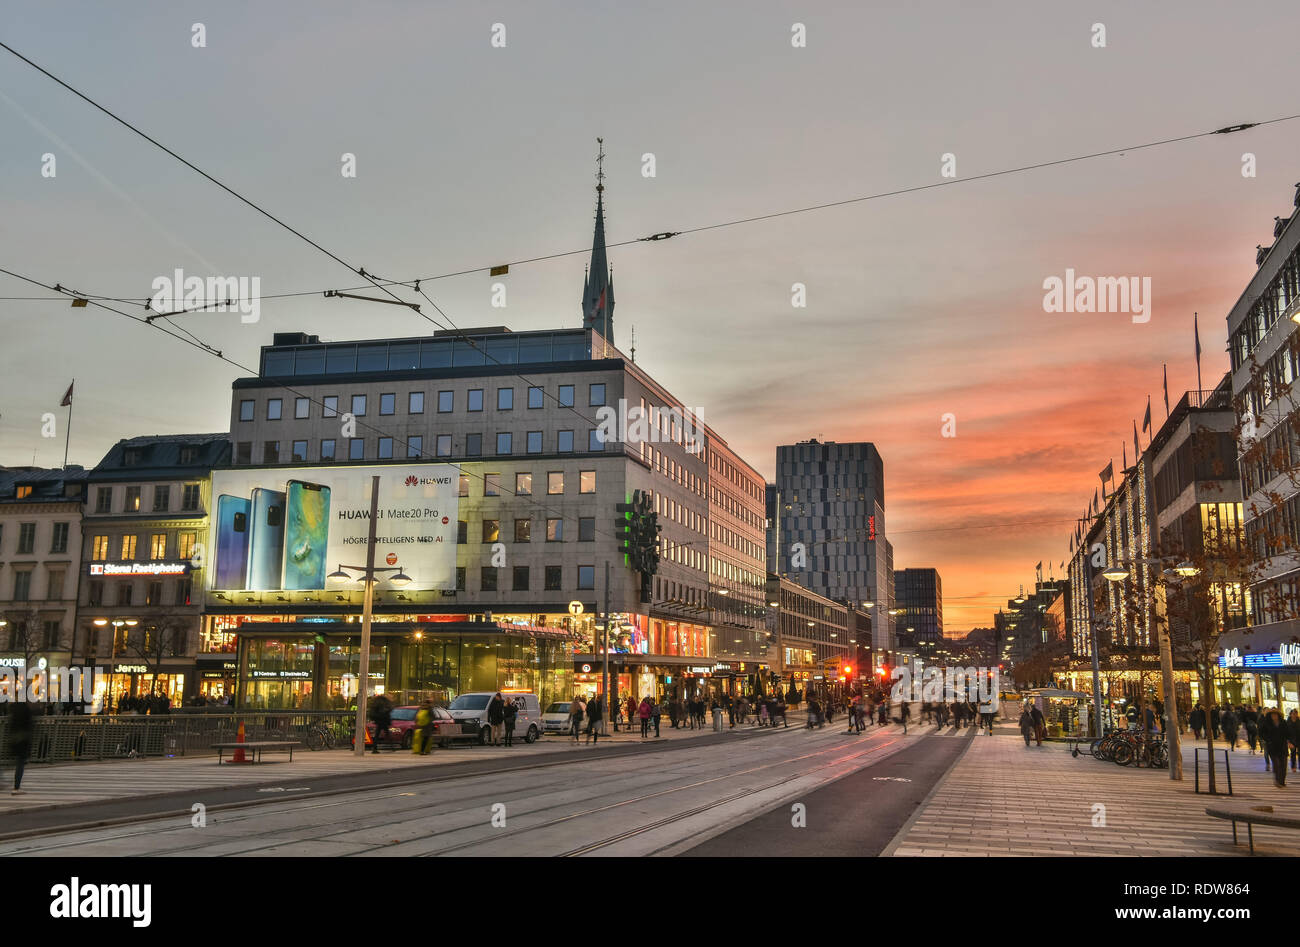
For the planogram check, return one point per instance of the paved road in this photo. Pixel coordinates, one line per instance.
(618, 800)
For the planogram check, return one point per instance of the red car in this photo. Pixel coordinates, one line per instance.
(401, 731)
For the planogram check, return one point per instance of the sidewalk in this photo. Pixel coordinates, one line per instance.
(1002, 798)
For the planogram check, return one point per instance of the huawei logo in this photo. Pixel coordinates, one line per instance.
(412, 480)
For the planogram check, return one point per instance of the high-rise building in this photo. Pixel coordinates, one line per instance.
(918, 607)
(829, 528)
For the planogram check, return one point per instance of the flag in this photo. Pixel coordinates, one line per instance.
(1124, 450)
(1166, 368)
(1146, 418)
(1137, 452)
(1196, 331)
(1039, 567)
(1107, 473)
(67, 397)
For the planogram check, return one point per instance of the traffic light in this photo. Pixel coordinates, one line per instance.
(848, 670)
(624, 526)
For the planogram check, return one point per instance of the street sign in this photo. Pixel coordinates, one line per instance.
(575, 608)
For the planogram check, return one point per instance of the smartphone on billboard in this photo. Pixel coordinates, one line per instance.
(265, 540)
(232, 542)
(307, 516)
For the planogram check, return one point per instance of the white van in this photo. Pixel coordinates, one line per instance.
(474, 707)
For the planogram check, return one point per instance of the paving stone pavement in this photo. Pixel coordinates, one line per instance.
(1002, 798)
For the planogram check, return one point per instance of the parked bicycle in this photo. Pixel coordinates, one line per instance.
(1126, 747)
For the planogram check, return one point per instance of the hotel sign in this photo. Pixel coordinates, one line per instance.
(1287, 655)
(113, 569)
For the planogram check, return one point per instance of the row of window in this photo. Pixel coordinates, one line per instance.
(1282, 291)
(186, 543)
(124, 593)
(446, 402)
(190, 495)
(388, 448)
(28, 636)
(22, 585)
(27, 538)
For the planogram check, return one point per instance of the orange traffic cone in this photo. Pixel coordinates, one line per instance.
(239, 738)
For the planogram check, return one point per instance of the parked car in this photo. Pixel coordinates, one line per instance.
(473, 708)
(446, 728)
(556, 718)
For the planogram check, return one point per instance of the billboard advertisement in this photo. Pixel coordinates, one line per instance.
(288, 528)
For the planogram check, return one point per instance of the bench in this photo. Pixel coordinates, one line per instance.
(1252, 816)
(256, 748)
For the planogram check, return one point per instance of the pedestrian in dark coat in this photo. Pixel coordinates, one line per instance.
(1026, 725)
(1273, 734)
(1196, 720)
(1293, 734)
(19, 733)
(1228, 721)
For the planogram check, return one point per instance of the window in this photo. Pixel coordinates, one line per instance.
(23, 585)
(153, 593)
(184, 593)
(331, 409)
(587, 481)
(554, 577)
(475, 399)
(536, 397)
(414, 445)
(99, 548)
(190, 497)
(22, 492)
(388, 404)
(104, 500)
(385, 448)
(357, 448)
(586, 529)
(271, 452)
(566, 396)
(124, 595)
(327, 450)
(54, 585)
(415, 402)
(446, 402)
(128, 547)
(273, 408)
(185, 545)
(162, 498)
(555, 530)
(444, 445)
(596, 395)
(358, 406)
(534, 442)
(586, 577)
(564, 442)
(460, 578)
(157, 545)
(95, 592)
(299, 452)
(523, 484)
(505, 399)
(301, 408)
(595, 442)
(246, 409)
(555, 482)
(492, 485)
(520, 579)
(523, 531)
(464, 485)
(244, 452)
(491, 531)
(59, 538)
(132, 500)
(462, 532)
(473, 445)
(503, 443)
(488, 579)
(26, 538)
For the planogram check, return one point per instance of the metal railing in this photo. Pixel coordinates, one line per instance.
(67, 739)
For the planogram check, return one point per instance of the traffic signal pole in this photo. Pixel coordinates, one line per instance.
(604, 697)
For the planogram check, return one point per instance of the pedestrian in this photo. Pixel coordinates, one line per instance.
(904, 713)
(595, 715)
(422, 732)
(509, 712)
(1040, 724)
(814, 712)
(882, 717)
(1293, 734)
(1215, 720)
(19, 738)
(633, 712)
(1250, 721)
(576, 709)
(780, 711)
(381, 713)
(1196, 720)
(987, 710)
(1228, 721)
(656, 712)
(1273, 735)
(643, 711)
(762, 713)
(1026, 724)
(496, 717)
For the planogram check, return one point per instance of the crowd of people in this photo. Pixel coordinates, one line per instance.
(1265, 732)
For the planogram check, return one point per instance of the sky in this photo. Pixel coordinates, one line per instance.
(918, 305)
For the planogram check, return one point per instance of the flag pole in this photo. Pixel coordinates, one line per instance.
(67, 435)
(1197, 330)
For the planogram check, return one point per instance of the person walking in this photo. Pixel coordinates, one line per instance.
(1293, 734)
(421, 730)
(633, 711)
(1250, 721)
(762, 713)
(576, 709)
(19, 738)
(656, 713)
(1273, 735)
(1026, 725)
(1040, 724)
(381, 713)
(1228, 721)
(496, 717)
(1196, 720)
(595, 714)
(780, 711)
(643, 711)
(509, 712)
(904, 712)
(1215, 719)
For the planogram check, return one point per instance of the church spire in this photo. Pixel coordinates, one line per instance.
(598, 286)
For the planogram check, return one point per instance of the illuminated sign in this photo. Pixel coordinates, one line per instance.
(1287, 655)
(283, 674)
(112, 569)
(130, 669)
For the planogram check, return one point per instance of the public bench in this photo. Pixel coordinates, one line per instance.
(256, 748)
(1252, 816)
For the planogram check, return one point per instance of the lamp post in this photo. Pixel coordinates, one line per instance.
(1183, 569)
(369, 575)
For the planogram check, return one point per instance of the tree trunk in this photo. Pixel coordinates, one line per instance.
(1207, 688)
